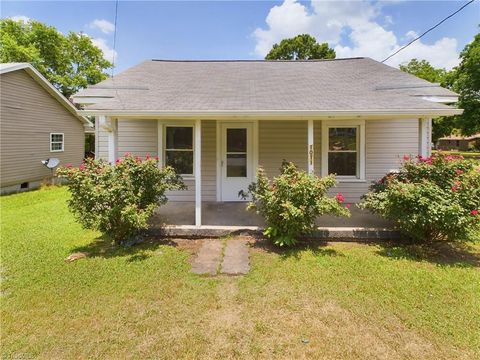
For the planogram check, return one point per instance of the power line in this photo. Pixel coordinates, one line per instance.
(114, 36)
(426, 32)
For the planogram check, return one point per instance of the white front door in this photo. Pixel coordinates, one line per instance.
(236, 162)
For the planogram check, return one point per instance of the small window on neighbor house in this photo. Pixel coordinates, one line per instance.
(56, 142)
(343, 151)
(179, 149)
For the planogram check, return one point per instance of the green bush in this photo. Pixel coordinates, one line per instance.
(290, 202)
(118, 200)
(431, 198)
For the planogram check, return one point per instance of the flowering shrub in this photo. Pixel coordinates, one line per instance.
(118, 200)
(292, 201)
(430, 198)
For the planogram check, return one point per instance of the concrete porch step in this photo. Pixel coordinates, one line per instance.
(338, 233)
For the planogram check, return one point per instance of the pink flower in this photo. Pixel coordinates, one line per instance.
(69, 166)
(157, 158)
(127, 154)
(348, 206)
(138, 159)
(458, 172)
(82, 167)
(148, 157)
(406, 157)
(340, 198)
(119, 161)
(474, 212)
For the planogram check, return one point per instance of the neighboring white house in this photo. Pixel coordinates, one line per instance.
(36, 123)
(217, 121)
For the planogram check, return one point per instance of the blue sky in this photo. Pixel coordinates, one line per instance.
(247, 29)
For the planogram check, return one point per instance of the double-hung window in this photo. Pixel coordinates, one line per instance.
(342, 147)
(179, 149)
(56, 142)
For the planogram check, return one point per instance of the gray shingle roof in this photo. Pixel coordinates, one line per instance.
(342, 84)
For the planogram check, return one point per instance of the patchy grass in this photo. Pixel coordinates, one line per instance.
(332, 300)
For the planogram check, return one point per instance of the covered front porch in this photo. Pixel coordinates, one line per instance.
(220, 157)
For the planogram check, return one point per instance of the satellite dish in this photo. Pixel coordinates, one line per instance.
(51, 163)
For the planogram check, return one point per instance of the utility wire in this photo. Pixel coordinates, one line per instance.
(114, 36)
(426, 32)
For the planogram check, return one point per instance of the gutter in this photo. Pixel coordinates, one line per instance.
(278, 114)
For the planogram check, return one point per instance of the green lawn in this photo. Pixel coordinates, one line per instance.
(465, 154)
(337, 300)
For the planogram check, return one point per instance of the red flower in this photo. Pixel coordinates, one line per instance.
(348, 206)
(340, 198)
(82, 167)
(474, 212)
(406, 157)
(458, 172)
(119, 161)
(157, 158)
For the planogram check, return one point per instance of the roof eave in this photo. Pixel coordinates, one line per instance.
(259, 114)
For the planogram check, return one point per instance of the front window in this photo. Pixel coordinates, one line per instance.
(56, 142)
(179, 149)
(343, 151)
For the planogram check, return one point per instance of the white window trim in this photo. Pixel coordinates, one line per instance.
(56, 142)
(360, 124)
(164, 145)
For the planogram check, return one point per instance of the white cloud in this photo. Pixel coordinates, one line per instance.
(329, 20)
(20, 18)
(108, 52)
(103, 25)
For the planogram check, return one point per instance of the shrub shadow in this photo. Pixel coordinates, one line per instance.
(103, 247)
(316, 246)
(441, 253)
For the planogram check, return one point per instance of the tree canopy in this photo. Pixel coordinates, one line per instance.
(70, 62)
(424, 70)
(464, 80)
(300, 47)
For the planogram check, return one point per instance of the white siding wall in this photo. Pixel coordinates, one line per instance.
(140, 137)
(386, 143)
(279, 140)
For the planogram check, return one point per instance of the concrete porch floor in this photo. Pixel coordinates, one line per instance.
(235, 214)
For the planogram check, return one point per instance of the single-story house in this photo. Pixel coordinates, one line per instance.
(36, 123)
(459, 142)
(216, 122)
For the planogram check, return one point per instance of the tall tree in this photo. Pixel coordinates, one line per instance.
(465, 80)
(424, 70)
(300, 47)
(70, 62)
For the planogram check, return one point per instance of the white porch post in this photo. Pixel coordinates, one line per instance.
(110, 125)
(424, 137)
(310, 148)
(198, 172)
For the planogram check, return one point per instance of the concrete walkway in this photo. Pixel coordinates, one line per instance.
(216, 257)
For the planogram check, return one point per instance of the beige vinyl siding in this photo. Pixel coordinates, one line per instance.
(386, 141)
(139, 137)
(279, 140)
(28, 115)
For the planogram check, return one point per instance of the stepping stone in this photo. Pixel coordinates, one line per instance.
(208, 258)
(236, 259)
